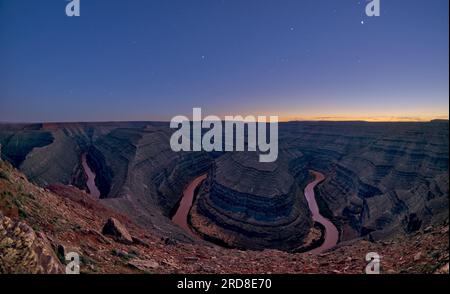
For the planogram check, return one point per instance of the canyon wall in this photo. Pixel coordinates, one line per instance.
(381, 178)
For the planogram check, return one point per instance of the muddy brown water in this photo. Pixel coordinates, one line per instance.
(181, 216)
(93, 190)
(331, 232)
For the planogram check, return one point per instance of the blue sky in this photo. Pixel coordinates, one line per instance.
(154, 59)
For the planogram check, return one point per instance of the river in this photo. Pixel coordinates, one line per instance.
(93, 190)
(181, 216)
(331, 232)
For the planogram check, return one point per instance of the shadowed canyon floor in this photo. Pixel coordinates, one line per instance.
(385, 190)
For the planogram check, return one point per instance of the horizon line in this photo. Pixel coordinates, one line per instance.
(280, 121)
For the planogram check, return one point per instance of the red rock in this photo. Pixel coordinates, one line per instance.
(116, 229)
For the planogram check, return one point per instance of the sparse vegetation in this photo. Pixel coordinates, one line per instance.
(11, 205)
(77, 228)
(134, 253)
(36, 227)
(123, 255)
(84, 260)
(54, 220)
(22, 214)
(4, 175)
(31, 196)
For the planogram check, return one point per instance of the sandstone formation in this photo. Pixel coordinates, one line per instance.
(22, 251)
(248, 204)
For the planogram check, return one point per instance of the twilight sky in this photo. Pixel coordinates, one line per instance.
(154, 59)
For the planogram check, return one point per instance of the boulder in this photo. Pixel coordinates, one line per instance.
(117, 230)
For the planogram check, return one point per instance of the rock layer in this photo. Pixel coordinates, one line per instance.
(381, 178)
(72, 221)
(254, 205)
(22, 251)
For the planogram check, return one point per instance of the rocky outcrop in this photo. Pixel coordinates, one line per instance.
(23, 251)
(18, 141)
(117, 230)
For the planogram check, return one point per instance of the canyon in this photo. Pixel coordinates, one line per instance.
(381, 180)
(331, 235)
(92, 188)
(38, 226)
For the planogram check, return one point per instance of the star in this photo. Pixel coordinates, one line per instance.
(362, 21)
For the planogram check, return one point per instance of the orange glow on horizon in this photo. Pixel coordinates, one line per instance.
(364, 118)
(377, 113)
(423, 116)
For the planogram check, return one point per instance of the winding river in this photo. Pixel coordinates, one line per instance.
(331, 233)
(93, 190)
(181, 216)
